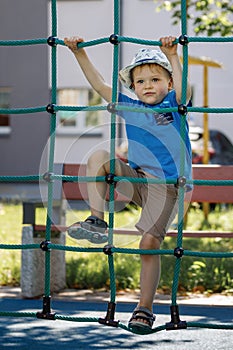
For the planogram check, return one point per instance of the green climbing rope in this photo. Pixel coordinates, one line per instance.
(115, 39)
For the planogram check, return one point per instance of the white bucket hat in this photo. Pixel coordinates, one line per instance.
(143, 56)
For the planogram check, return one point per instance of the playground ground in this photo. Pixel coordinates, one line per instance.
(36, 334)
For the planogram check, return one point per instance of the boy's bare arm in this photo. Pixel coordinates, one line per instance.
(170, 50)
(92, 75)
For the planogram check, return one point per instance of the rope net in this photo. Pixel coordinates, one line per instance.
(114, 39)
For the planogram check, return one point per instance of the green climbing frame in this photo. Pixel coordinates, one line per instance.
(114, 39)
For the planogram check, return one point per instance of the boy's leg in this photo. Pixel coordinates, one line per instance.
(159, 209)
(149, 279)
(98, 165)
(150, 271)
(94, 227)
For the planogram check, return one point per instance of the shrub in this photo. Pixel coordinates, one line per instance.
(200, 273)
(92, 271)
(203, 274)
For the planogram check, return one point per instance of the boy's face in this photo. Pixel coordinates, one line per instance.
(151, 83)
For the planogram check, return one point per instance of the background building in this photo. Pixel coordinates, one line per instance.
(25, 77)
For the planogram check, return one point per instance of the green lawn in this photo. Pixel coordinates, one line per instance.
(219, 219)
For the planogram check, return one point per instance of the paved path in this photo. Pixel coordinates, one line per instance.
(37, 334)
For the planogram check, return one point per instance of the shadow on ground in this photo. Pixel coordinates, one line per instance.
(36, 334)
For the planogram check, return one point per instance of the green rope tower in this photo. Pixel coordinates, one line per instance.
(115, 39)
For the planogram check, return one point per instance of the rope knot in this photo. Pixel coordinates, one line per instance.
(184, 40)
(114, 39)
(51, 41)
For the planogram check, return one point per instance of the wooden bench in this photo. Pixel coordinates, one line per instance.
(73, 191)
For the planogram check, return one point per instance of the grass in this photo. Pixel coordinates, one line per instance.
(219, 219)
(84, 271)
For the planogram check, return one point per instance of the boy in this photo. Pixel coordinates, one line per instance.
(153, 152)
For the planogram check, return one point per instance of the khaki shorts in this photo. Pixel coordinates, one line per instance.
(159, 202)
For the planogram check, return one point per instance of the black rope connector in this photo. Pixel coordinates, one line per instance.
(178, 252)
(48, 176)
(44, 246)
(109, 319)
(114, 39)
(46, 312)
(111, 107)
(50, 108)
(175, 323)
(181, 181)
(183, 40)
(107, 249)
(182, 109)
(51, 41)
(109, 178)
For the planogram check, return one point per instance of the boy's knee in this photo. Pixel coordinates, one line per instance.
(98, 163)
(100, 156)
(149, 241)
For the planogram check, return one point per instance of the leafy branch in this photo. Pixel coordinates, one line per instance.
(208, 17)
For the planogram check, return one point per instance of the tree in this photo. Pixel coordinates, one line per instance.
(208, 17)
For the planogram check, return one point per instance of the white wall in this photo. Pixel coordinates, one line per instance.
(90, 20)
(94, 20)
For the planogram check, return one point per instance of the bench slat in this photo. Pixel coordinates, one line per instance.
(78, 191)
(211, 194)
(133, 232)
